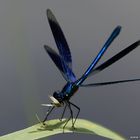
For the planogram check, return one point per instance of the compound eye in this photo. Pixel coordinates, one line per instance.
(55, 94)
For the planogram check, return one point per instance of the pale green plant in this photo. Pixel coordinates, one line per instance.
(54, 127)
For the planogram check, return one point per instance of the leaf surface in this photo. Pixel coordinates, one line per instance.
(54, 127)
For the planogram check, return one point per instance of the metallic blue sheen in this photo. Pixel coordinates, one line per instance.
(60, 39)
(114, 34)
(61, 65)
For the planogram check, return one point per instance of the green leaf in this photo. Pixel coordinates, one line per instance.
(54, 127)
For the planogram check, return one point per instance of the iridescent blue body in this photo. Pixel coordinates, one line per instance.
(68, 90)
(63, 61)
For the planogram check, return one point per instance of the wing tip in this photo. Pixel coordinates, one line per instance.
(49, 12)
(50, 15)
(48, 49)
(118, 29)
(138, 42)
(45, 47)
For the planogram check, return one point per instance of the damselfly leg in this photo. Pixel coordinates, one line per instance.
(48, 113)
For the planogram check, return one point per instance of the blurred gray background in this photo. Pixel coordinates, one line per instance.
(28, 76)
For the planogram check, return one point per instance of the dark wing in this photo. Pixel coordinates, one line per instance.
(114, 34)
(62, 66)
(109, 83)
(59, 39)
(115, 58)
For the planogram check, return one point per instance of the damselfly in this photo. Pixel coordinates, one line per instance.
(63, 61)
